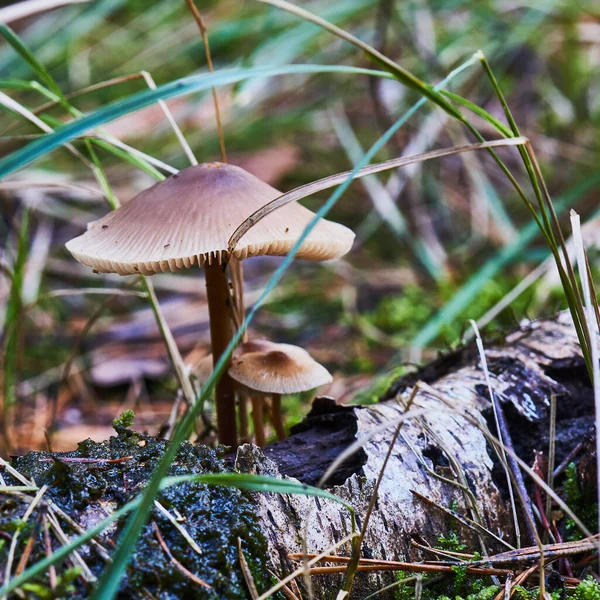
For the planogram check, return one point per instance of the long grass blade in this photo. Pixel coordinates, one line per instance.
(110, 580)
(258, 483)
(180, 87)
(333, 180)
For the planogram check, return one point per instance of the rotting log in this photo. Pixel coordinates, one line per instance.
(439, 456)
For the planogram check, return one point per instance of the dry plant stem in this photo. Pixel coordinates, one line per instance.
(276, 417)
(257, 420)
(246, 572)
(174, 561)
(204, 33)
(357, 542)
(48, 547)
(171, 345)
(516, 474)
(219, 311)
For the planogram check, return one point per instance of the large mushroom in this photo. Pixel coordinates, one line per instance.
(187, 220)
(267, 369)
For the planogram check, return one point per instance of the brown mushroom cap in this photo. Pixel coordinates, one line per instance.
(279, 369)
(188, 219)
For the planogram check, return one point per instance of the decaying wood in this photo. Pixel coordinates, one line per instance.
(442, 474)
(437, 451)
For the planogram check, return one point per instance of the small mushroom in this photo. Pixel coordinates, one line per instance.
(269, 369)
(187, 220)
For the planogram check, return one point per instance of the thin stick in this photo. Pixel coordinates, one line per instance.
(299, 571)
(551, 452)
(175, 562)
(204, 33)
(593, 334)
(496, 409)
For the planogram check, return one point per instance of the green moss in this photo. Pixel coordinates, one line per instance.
(451, 542)
(124, 420)
(582, 501)
(588, 589)
(215, 517)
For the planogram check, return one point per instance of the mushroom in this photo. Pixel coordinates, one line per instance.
(269, 369)
(187, 220)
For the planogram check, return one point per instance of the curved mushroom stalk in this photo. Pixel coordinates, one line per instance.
(221, 332)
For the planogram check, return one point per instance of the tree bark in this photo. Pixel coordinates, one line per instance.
(436, 447)
(439, 456)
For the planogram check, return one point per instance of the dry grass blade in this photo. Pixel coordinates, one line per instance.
(32, 7)
(495, 408)
(163, 106)
(333, 180)
(357, 543)
(592, 327)
(462, 519)
(13, 543)
(494, 440)
(246, 572)
(188, 538)
(299, 571)
(175, 562)
(65, 541)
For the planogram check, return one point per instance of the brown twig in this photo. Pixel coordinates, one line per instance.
(204, 33)
(246, 572)
(175, 562)
(518, 581)
(48, 548)
(412, 567)
(85, 460)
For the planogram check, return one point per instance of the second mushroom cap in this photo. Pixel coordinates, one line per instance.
(278, 369)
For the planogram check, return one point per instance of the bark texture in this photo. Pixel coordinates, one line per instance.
(436, 451)
(438, 455)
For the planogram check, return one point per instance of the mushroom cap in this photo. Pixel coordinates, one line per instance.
(278, 369)
(188, 219)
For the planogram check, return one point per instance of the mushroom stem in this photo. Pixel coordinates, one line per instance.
(243, 415)
(257, 419)
(276, 417)
(220, 336)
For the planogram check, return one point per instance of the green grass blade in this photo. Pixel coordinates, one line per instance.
(12, 322)
(242, 481)
(399, 72)
(473, 286)
(15, 41)
(180, 87)
(109, 583)
(263, 483)
(480, 112)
